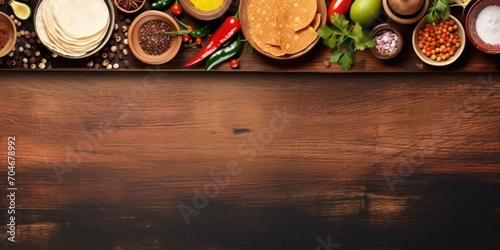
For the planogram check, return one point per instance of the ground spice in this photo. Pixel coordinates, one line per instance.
(4, 34)
(152, 37)
(207, 5)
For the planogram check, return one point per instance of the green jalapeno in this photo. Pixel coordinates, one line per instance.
(200, 32)
(223, 54)
(161, 4)
(203, 31)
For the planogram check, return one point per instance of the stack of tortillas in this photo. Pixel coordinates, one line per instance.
(72, 27)
(283, 27)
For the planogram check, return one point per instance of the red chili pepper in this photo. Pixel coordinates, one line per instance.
(228, 28)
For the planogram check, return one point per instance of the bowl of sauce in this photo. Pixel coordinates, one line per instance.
(205, 10)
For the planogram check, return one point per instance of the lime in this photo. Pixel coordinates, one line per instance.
(365, 11)
(21, 10)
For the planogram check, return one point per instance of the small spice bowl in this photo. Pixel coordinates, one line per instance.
(10, 27)
(452, 58)
(129, 6)
(472, 32)
(215, 9)
(157, 20)
(389, 41)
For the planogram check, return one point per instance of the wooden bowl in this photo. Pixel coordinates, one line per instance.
(461, 32)
(133, 37)
(189, 7)
(470, 26)
(12, 37)
(128, 11)
(245, 27)
(400, 43)
(405, 18)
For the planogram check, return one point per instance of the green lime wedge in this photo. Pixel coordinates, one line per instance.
(21, 10)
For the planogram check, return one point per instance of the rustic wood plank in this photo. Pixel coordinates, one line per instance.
(372, 161)
(471, 61)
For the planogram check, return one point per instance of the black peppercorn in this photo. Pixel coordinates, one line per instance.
(152, 38)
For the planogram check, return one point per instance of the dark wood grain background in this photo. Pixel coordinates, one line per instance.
(288, 161)
(472, 60)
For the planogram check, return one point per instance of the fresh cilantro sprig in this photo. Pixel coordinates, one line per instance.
(439, 10)
(344, 39)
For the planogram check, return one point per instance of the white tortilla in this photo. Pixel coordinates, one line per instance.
(72, 36)
(80, 18)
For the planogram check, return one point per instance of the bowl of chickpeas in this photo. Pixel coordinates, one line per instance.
(441, 43)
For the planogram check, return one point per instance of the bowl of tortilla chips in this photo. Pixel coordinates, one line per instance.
(74, 29)
(282, 29)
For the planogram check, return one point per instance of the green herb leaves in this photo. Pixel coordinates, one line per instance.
(344, 39)
(440, 10)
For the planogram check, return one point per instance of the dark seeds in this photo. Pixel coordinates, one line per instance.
(153, 39)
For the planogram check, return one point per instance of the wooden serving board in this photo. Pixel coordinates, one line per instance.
(471, 61)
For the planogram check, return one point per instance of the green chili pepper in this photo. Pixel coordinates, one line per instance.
(223, 54)
(161, 4)
(203, 31)
(179, 32)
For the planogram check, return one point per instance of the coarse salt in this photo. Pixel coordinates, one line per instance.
(488, 25)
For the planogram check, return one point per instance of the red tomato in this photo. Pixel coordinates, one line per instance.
(186, 38)
(234, 63)
(176, 9)
(338, 6)
(198, 41)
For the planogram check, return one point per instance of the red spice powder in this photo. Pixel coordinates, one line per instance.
(4, 34)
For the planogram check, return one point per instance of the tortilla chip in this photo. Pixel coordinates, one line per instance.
(271, 49)
(281, 27)
(316, 22)
(262, 18)
(291, 41)
(299, 13)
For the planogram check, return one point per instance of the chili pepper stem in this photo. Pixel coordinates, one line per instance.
(181, 23)
(237, 15)
(245, 47)
(189, 45)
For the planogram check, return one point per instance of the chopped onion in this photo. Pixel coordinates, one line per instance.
(387, 41)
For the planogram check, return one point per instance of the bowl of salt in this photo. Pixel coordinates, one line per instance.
(483, 26)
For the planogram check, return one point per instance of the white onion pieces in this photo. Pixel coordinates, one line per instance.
(387, 41)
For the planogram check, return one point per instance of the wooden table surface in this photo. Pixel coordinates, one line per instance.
(472, 60)
(251, 160)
